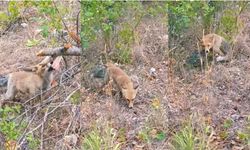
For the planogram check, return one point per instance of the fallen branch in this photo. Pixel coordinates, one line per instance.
(60, 51)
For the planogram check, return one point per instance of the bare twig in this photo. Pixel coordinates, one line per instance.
(60, 16)
(77, 23)
(74, 113)
(21, 139)
(42, 129)
(201, 60)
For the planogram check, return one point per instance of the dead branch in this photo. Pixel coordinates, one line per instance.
(21, 140)
(61, 19)
(60, 51)
(73, 110)
(42, 128)
(77, 23)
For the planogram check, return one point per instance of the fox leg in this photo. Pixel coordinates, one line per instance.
(118, 95)
(108, 87)
(228, 57)
(218, 51)
(11, 91)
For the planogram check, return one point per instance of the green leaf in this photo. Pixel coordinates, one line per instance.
(228, 123)
(243, 136)
(31, 43)
(75, 98)
(89, 14)
(45, 31)
(85, 44)
(161, 136)
(3, 17)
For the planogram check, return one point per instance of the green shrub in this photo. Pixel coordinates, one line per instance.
(101, 138)
(193, 135)
(9, 128)
(184, 139)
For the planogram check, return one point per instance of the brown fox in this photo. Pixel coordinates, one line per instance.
(219, 46)
(123, 82)
(27, 82)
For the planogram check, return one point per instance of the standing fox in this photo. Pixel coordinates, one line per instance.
(29, 82)
(219, 46)
(123, 82)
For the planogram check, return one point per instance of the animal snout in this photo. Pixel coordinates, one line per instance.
(131, 104)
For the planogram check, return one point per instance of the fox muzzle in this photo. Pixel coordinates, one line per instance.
(131, 105)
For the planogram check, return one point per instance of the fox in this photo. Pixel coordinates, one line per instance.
(123, 82)
(28, 82)
(219, 45)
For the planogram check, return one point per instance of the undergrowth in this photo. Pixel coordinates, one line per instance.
(194, 134)
(102, 136)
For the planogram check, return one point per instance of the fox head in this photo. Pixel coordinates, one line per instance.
(109, 64)
(42, 69)
(207, 42)
(129, 93)
(45, 72)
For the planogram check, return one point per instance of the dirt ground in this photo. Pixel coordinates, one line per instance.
(220, 94)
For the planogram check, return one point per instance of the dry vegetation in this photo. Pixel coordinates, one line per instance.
(208, 110)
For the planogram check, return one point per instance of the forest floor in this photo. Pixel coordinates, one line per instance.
(218, 99)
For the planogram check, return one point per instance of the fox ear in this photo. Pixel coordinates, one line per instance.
(136, 86)
(108, 64)
(34, 68)
(123, 87)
